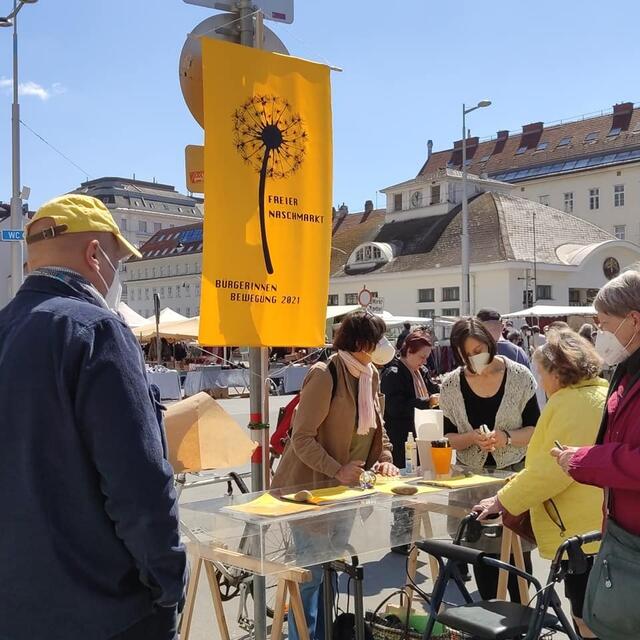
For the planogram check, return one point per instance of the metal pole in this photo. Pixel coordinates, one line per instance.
(256, 388)
(535, 262)
(17, 261)
(466, 303)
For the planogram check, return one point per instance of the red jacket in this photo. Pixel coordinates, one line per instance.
(614, 462)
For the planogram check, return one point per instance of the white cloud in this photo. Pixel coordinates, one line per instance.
(33, 89)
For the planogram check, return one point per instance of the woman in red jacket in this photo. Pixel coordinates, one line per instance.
(613, 463)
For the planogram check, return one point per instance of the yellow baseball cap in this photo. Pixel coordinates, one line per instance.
(75, 213)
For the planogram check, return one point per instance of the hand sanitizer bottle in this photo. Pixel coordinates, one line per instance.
(410, 455)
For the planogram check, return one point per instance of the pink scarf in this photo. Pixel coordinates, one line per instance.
(366, 403)
(419, 385)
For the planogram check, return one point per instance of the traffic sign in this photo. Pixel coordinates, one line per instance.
(277, 10)
(194, 165)
(12, 235)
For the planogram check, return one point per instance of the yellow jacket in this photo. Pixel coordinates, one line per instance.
(572, 416)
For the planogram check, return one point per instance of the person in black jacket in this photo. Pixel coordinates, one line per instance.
(406, 330)
(406, 386)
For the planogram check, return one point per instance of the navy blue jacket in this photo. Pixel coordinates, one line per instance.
(89, 540)
(513, 352)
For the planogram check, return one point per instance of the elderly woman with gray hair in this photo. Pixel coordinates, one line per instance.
(613, 464)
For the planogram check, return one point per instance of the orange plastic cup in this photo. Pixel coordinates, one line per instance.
(441, 458)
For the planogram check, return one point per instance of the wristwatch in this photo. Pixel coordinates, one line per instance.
(508, 438)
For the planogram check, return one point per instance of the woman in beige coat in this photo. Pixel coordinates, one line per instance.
(337, 432)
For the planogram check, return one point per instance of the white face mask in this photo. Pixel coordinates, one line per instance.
(480, 361)
(383, 353)
(609, 347)
(114, 290)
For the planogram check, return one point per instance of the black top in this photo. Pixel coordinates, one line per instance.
(484, 410)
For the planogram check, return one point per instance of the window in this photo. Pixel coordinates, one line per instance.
(591, 137)
(198, 289)
(544, 200)
(574, 297)
(334, 300)
(153, 272)
(450, 294)
(521, 150)
(426, 313)
(187, 290)
(594, 198)
(351, 298)
(618, 195)
(188, 312)
(157, 226)
(142, 226)
(435, 194)
(397, 202)
(162, 292)
(620, 231)
(177, 269)
(542, 146)
(146, 294)
(169, 292)
(451, 311)
(187, 268)
(543, 292)
(146, 272)
(161, 271)
(178, 292)
(615, 131)
(568, 202)
(368, 254)
(426, 295)
(565, 142)
(123, 224)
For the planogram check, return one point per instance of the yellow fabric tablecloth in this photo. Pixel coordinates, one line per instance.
(462, 482)
(268, 505)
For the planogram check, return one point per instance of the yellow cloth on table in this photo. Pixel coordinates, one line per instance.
(335, 494)
(463, 482)
(386, 484)
(268, 505)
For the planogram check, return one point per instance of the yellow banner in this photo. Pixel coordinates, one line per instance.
(268, 191)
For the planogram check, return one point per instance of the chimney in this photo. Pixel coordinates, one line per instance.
(534, 127)
(503, 135)
(368, 206)
(429, 148)
(333, 213)
(472, 143)
(343, 210)
(622, 109)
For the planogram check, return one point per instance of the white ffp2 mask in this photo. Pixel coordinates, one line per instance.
(114, 291)
(383, 353)
(480, 361)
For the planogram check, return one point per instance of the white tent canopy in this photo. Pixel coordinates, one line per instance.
(132, 318)
(549, 311)
(341, 310)
(166, 315)
(185, 329)
(394, 321)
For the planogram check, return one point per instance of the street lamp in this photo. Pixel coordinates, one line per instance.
(466, 302)
(17, 221)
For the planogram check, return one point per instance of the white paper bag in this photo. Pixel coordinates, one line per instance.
(429, 424)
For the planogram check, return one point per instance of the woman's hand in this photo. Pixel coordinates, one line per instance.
(488, 507)
(500, 438)
(349, 474)
(564, 457)
(434, 400)
(386, 469)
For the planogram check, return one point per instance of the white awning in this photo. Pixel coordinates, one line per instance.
(549, 311)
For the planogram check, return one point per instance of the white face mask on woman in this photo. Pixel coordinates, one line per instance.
(480, 361)
(609, 347)
(383, 353)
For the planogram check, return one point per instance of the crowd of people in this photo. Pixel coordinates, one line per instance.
(92, 548)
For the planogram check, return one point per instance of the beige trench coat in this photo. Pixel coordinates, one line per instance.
(323, 429)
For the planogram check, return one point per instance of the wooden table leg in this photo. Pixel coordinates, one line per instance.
(217, 599)
(523, 585)
(505, 556)
(280, 610)
(190, 602)
(296, 608)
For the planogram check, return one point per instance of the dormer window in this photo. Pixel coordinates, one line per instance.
(368, 253)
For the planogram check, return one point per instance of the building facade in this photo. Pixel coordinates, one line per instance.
(171, 266)
(589, 168)
(522, 252)
(141, 208)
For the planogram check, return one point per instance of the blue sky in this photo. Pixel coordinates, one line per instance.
(102, 81)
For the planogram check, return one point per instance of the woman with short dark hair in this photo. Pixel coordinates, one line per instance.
(406, 386)
(492, 391)
(338, 431)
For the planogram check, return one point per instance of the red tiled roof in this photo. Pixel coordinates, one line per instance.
(499, 154)
(172, 242)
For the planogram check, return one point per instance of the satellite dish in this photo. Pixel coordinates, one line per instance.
(223, 26)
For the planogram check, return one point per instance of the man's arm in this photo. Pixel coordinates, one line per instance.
(116, 417)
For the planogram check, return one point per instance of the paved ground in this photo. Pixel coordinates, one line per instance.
(384, 572)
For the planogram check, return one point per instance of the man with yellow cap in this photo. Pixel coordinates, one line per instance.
(89, 541)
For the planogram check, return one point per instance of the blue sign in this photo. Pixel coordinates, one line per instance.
(12, 235)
